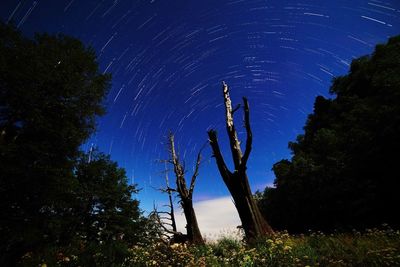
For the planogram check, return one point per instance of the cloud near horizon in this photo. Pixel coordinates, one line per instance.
(216, 218)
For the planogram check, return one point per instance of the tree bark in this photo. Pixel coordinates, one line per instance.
(253, 223)
(186, 194)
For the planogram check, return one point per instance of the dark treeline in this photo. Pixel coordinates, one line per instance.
(344, 172)
(56, 201)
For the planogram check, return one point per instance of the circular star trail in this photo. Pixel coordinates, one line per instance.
(168, 59)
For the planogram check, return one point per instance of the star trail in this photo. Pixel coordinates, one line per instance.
(168, 59)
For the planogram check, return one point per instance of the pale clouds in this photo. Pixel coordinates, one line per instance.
(216, 217)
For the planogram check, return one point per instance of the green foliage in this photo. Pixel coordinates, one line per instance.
(108, 220)
(57, 205)
(50, 94)
(225, 245)
(105, 220)
(343, 170)
(105, 199)
(372, 248)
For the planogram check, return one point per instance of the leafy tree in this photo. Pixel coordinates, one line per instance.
(51, 91)
(108, 219)
(343, 170)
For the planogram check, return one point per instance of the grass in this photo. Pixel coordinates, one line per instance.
(371, 248)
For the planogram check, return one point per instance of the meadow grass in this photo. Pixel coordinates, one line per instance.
(371, 248)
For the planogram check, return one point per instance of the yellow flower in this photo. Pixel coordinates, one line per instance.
(174, 246)
(287, 248)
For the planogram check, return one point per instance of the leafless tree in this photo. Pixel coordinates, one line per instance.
(253, 223)
(165, 220)
(167, 232)
(185, 194)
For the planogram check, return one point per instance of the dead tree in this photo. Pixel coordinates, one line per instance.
(169, 191)
(166, 234)
(165, 220)
(253, 223)
(185, 194)
(161, 232)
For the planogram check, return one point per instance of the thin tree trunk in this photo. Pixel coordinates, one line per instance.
(186, 194)
(171, 203)
(253, 223)
(172, 234)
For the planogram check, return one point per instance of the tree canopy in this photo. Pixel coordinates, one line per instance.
(106, 218)
(53, 198)
(343, 170)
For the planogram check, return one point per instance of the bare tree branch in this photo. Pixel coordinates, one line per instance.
(196, 170)
(249, 138)
(195, 174)
(169, 231)
(235, 108)
(166, 190)
(223, 169)
(185, 195)
(155, 214)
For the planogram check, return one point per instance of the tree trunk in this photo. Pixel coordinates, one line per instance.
(192, 228)
(253, 223)
(185, 194)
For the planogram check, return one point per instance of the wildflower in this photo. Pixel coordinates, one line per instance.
(174, 246)
(287, 248)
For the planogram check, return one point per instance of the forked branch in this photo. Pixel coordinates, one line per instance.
(223, 169)
(195, 174)
(249, 138)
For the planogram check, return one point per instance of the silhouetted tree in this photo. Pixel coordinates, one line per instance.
(253, 223)
(50, 94)
(343, 170)
(165, 220)
(108, 219)
(186, 194)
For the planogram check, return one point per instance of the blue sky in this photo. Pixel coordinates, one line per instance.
(168, 59)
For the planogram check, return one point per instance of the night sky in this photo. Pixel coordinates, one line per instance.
(168, 59)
